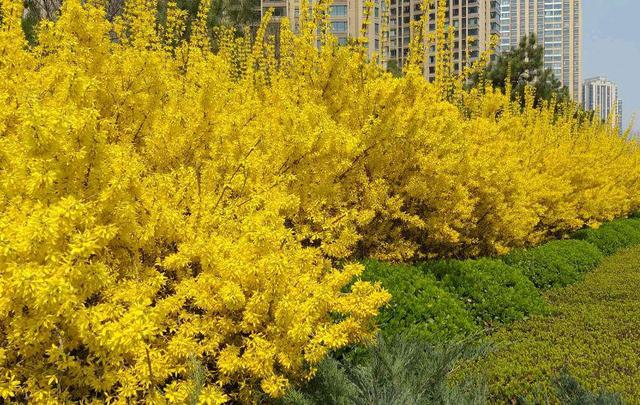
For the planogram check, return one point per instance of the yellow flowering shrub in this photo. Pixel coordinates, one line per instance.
(142, 223)
(161, 201)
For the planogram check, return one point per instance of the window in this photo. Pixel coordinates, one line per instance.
(339, 11)
(279, 12)
(338, 26)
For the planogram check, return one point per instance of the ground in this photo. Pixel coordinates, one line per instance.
(593, 333)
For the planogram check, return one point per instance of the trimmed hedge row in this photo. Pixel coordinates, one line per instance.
(613, 236)
(438, 302)
(491, 290)
(444, 299)
(594, 336)
(556, 264)
(447, 299)
(420, 307)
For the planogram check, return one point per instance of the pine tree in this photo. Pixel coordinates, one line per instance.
(524, 66)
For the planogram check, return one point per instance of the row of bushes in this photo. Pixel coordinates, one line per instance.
(436, 317)
(448, 298)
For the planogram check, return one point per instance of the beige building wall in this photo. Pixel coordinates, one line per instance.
(347, 19)
(474, 21)
(558, 26)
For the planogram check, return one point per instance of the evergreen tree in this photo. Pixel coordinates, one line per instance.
(524, 66)
(238, 14)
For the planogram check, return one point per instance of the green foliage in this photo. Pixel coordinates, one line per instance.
(594, 335)
(557, 263)
(492, 291)
(419, 306)
(570, 392)
(567, 390)
(394, 68)
(613, 236)
(198, 380)
(524, 66)
(237, 14)
(331, 385)
(29, 25)
(397, 371)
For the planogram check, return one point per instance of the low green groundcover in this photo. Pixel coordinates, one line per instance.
(594, 334)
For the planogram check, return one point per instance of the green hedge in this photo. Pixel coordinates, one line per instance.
(491, 290)
(419, 306)
(613, 236)
(557, 263)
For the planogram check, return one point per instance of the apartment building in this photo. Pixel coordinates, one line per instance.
(474, 22)
(558, 26)
(347, 19)
(601, 95)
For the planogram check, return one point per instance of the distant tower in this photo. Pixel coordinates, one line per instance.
(619, 112)
(601, 94)
(557, 25)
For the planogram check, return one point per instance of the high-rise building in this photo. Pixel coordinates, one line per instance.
(558, 26)
(474, 22)
(347, 18)
(601, 95)
(619, 112)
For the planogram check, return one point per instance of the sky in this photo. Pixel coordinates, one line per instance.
(612, 48)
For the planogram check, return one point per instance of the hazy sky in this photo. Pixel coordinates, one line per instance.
(612, 48)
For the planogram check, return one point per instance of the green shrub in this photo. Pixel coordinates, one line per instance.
(419, 306)
(556, 264)
(397, 371)
(613, 236)
(570, 392)
(565, 389)
(491, 290)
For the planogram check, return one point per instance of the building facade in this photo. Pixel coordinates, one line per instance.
(601, 95)
(558, 26)
(347, 18)
(474, 22)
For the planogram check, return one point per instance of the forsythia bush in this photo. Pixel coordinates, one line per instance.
(162, 202)
(143, 224)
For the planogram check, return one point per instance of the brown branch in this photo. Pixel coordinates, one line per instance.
(153, 384)
(237, 170)
(362, 155)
